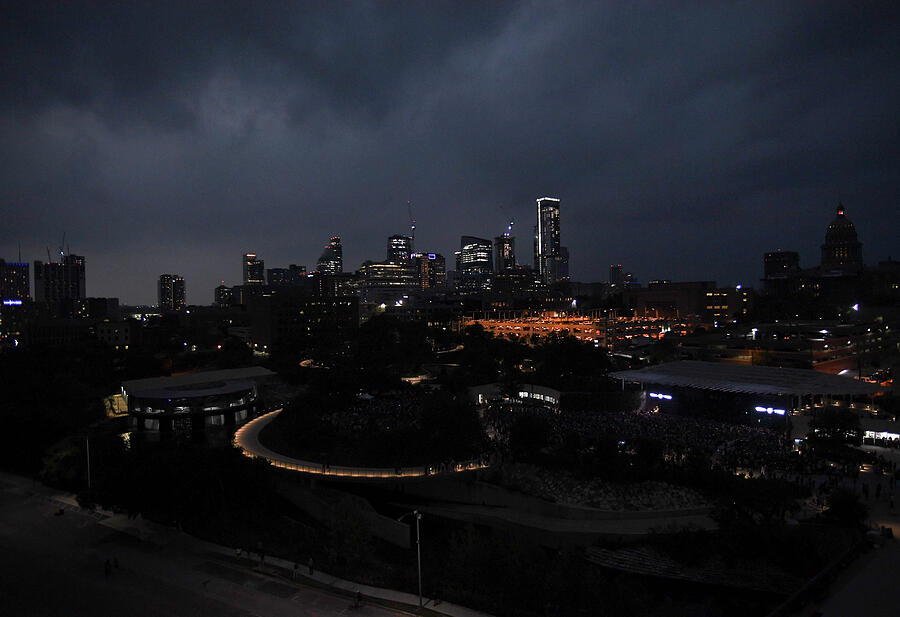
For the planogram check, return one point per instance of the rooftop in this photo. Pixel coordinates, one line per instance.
(212, 379)
(746, 379)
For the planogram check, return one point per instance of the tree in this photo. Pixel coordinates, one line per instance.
(528, 435)
(845, 508)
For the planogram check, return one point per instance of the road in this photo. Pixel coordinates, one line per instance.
(53, 565)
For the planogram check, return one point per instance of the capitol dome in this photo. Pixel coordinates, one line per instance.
(841, 229)
(842, 249)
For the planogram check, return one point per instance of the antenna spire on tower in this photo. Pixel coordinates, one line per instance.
(412, 227)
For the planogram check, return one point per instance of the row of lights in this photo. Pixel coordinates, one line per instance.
(770, 410)
(349, 472)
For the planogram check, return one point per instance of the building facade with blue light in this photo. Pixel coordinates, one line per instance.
(740, 393)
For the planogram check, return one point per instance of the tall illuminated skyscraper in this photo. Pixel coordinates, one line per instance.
(547, 247)
(504, 252)
(399, 248)
(474, 265)
(14, 282)
(431, 270)
(331, 261)
(616, 275)
(475, 255)
(171, 293)
(254, 270)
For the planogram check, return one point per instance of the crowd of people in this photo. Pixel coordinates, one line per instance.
(380, 413)
(401, 429)
(726, 445)
(562, 487)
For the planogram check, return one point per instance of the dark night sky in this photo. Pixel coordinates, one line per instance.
(684, 139)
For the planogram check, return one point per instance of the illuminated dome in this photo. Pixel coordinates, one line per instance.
(841, 229)
(842, 249)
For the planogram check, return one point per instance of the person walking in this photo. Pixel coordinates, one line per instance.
(310, 564)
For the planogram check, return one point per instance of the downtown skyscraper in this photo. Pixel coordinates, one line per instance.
(171, 293)
(62, 280)
(547, 249)
(14, 282)
(331, 261)
(399, 248)
(254, 269)
(504, 252)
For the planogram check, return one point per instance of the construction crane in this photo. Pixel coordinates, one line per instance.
(62, 250)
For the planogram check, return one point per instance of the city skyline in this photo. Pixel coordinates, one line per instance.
(684, 142)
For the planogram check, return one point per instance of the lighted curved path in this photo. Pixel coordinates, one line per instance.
(247, 439)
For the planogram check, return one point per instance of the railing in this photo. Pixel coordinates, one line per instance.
(246, 438)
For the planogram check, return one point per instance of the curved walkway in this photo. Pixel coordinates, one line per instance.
(247, 439)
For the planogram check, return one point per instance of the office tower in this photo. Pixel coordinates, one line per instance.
(548, 254)
(171, 293)
(254, 270)
(223, 296)
(14, 282)
(431, 270)
(387, 282)
(615, 275)
(62, 280)
(332, 259)
(278, 277)
(399, 248)
(562, 273)
(504, 252)
(475, 255)
(780, 264)
(474, 265)
(296, 274)
(842, 250)
(294, 319)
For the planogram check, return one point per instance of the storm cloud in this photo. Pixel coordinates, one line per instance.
(684, 139)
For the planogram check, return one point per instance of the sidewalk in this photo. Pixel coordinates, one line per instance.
(283, 568)
(148, 531)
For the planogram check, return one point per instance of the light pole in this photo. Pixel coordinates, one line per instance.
(87, 448)
(418, 516)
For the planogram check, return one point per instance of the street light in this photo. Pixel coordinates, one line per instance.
(87, 448)
(418, 516)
